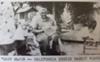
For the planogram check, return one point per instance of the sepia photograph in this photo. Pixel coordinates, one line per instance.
(32, 28)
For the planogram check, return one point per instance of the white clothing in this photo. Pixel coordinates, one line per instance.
(7, 27)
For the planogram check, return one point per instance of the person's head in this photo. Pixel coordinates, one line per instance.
(44, 13)
(31, 13)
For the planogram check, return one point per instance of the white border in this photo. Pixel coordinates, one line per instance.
(56, 0)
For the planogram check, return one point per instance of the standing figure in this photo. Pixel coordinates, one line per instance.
(25, 39)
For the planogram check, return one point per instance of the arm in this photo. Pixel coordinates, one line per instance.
(35, 25)
(37, 30)
(54, 24)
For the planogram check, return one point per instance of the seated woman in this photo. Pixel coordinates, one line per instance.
(44, 26)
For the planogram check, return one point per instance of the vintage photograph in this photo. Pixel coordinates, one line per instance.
(49, 28)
